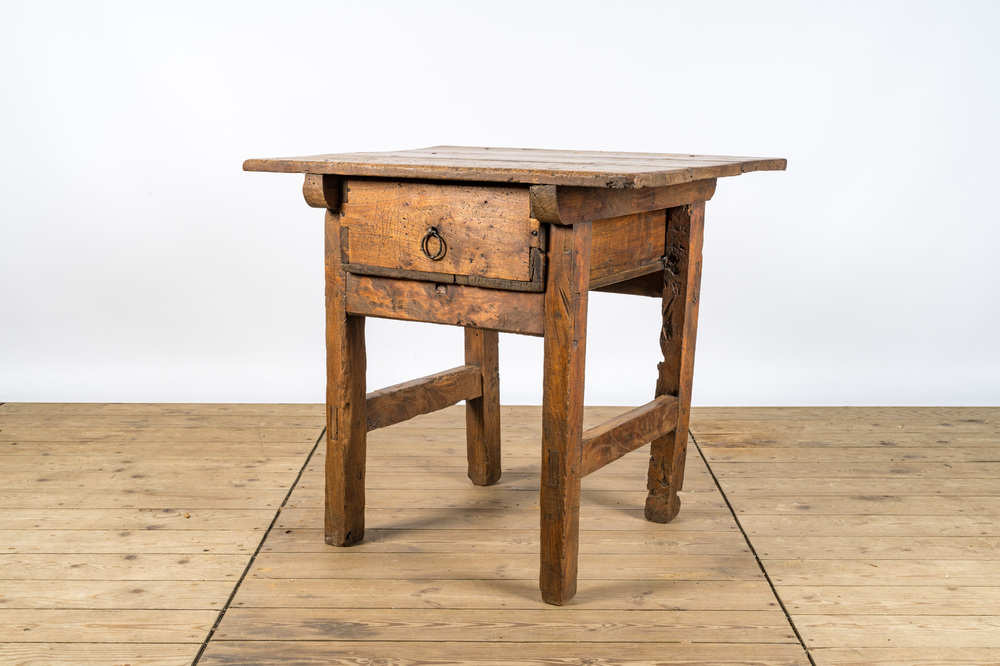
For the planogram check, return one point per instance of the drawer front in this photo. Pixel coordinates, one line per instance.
(477, 234)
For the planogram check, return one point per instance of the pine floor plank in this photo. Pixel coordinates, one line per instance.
(170, 519)
(505, 653)
(891, 599)
(878, 548)
(147, 496)
(310, 540)
(507, 593)
(848, 486)
(129, 541)
(33, 593)
(940, 632)
(952, 656)
(548, 625)
(59, 625)
(73, 654)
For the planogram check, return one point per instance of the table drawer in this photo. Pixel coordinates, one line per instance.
(482, 235)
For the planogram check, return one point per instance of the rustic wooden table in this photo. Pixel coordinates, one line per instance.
(503, 239)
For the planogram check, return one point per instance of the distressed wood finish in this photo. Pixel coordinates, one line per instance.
(542, 167)
(562, 409)
(402, 402)
(322, 191)
(458, 305)
(569, 205)
(482, 413)
(487, 230)
(633, 429)
(346, 423)
(681, 286)
(627, 247)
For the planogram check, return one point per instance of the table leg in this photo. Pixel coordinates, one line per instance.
(346, 420)
(482, 415)
(562, 409)
(681, 285)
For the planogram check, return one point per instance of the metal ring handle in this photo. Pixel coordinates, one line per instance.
(425, 245)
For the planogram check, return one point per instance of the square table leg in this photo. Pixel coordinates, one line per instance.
(681, 286)
(482, 414)
(562, 409)
(346, 418)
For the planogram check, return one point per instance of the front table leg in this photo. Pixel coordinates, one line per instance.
(562, 409)
(681, 286)
(346, 420)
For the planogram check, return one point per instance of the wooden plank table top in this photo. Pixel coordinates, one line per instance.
(524, 165)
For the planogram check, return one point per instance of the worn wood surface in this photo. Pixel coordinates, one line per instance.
(625, 247)
(482, 413)
(569, 205)
(346, 422)
(458, 305)
(487, 230)
(532, 166)
(562, 409)
(401, 402)
(681, 288)
(323, 191)
(628, 432)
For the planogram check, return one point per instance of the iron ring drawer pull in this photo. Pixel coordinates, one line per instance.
(425, 245)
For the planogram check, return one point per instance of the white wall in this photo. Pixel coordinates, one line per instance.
(139, 263)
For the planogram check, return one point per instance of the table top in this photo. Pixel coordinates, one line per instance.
(524, 165)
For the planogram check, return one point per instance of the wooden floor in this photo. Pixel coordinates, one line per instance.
(175, 534)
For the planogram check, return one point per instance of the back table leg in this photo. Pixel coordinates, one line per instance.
(681, 285)
(482, 414)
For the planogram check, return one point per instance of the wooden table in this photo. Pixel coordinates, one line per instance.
(503, 239)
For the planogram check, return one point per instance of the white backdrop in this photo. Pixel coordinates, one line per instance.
(139, 263)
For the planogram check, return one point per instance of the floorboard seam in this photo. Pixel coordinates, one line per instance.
(753, 550)
(256, 552)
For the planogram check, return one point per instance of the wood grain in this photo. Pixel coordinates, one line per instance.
(482, 413)
(633, 429)
(487, 230)
(347, 423)
(402, 402)
(322, 191)
(570, 205)
(458, 305)
(681, 287)
(627, 247)
(562, 409)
